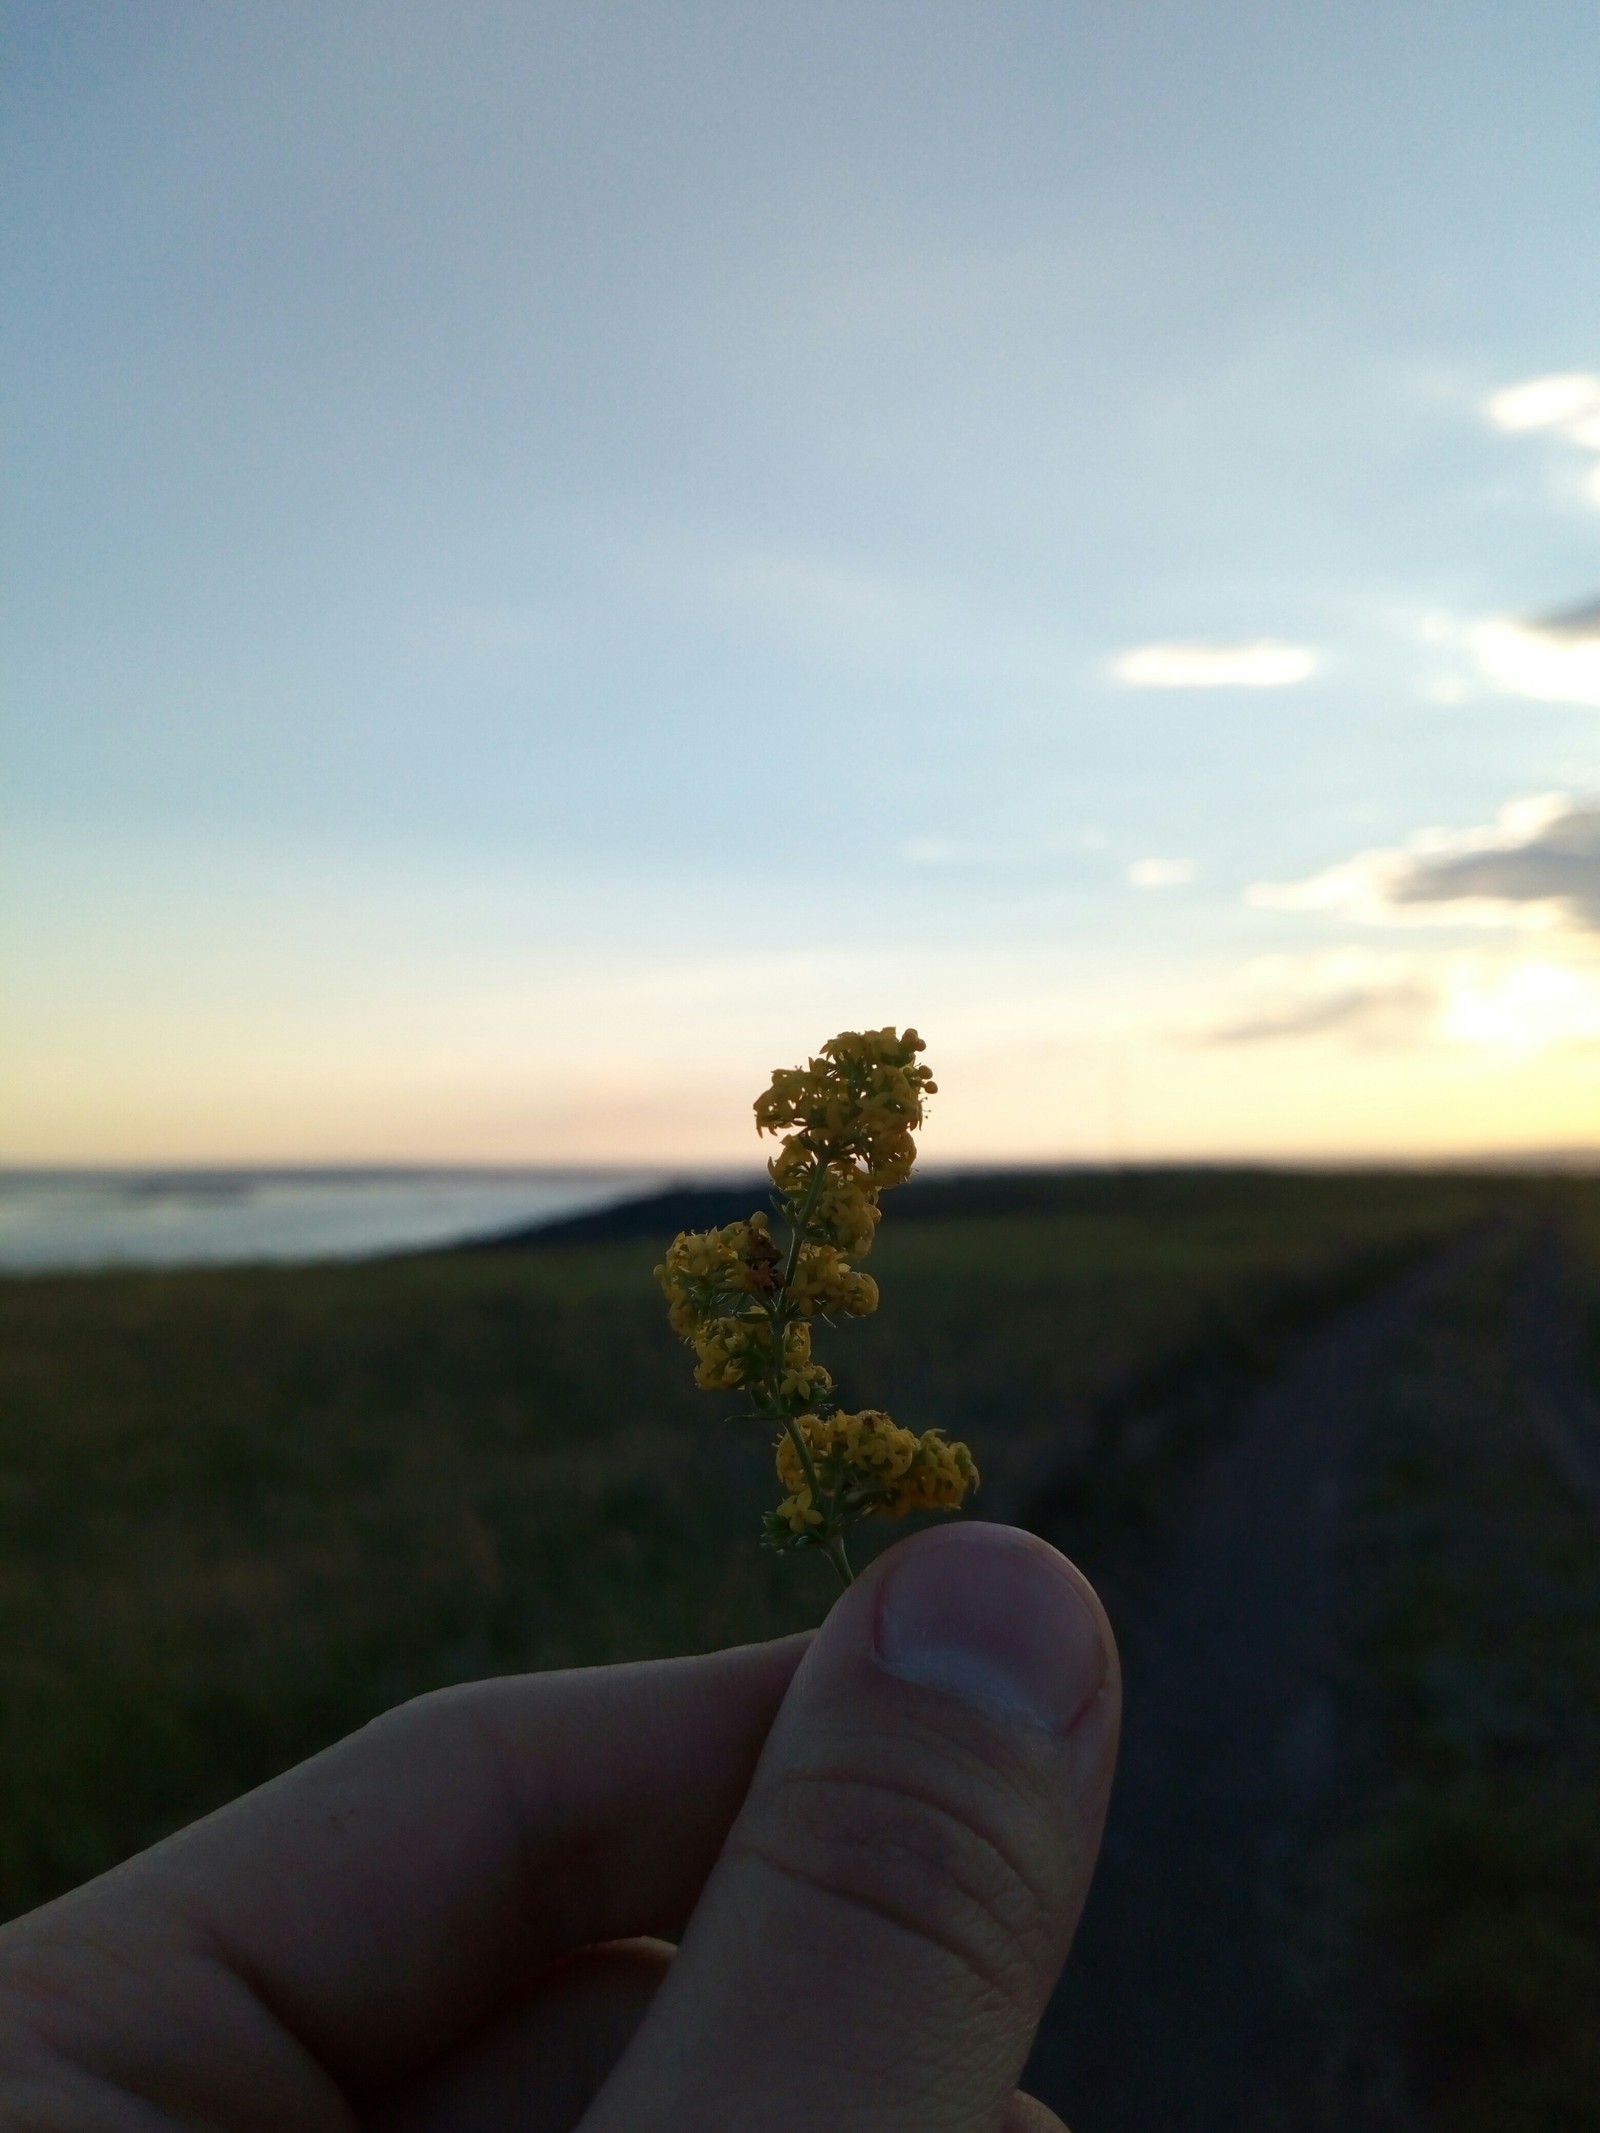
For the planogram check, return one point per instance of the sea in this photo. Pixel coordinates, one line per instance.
(170, 1218)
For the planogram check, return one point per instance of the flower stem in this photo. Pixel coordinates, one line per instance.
(833, 1546)
(800, 1223)
(797, 1439)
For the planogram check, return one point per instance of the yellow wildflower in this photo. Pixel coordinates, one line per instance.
(857, 1103)
(843, 1210)
(746, 1306)
(798, 1512)
(877, 1447)
(873, 1464)
(825, 1285)
(938, 1478)
(705, 1270)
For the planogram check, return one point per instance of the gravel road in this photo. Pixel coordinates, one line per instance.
(1546, 1346)
(1208, 1985)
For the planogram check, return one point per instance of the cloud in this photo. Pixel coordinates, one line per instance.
(1530, 1007)
(1547, 860)
(1375, 1010)
(1567, 401)
(1160, 873)
(1518, 1005)
(1554, 660)
(1538, 865)
(1262, 664)
(1565, 404)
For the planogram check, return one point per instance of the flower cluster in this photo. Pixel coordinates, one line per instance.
(825, 1285)
(770, 1360)
(707, 1272)
(847, 1118)
(746, 1306)
(866, 1464)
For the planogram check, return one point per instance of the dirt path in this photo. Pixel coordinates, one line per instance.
(1203, 1993)
(1546, 1343)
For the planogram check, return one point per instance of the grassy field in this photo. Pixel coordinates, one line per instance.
(1477, 1580)
(242, 1510)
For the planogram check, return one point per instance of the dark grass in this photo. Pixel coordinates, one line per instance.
(1478, 1578)
(243, 1510)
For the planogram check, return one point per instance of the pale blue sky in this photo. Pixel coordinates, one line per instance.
(559, 551)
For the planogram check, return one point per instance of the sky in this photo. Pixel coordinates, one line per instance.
(558, 554)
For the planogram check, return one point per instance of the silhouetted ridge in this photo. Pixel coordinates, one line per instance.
(659, 1214)
(982, 1194)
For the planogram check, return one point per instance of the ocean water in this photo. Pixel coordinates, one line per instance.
(216, 1217)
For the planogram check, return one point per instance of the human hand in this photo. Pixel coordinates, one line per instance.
(874, 1842)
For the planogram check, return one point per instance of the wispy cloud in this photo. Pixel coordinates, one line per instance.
(1543, 857)
(1554, 660)
(1260, 664)
(1375, 1005)
(1537, 865)
(1160, 873)
(1564, 403)
(1566, 400)
(1515, 1006)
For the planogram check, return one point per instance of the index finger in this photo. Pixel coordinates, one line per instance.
(385, 1896)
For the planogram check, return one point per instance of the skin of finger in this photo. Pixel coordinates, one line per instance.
(358, 1916)
(887, 1921)
(1025, 2114)
(539, 2065)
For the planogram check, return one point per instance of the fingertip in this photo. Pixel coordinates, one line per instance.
(997, 1617)
(1026, 2114)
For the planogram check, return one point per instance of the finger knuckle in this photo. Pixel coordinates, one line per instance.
(929, 1851)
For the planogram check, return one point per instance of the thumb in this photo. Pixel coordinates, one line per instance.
(877, 1942)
